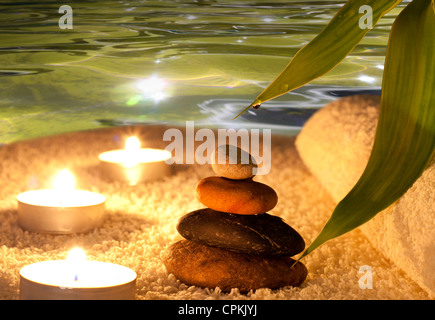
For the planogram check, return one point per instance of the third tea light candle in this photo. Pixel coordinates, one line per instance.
(134, 164)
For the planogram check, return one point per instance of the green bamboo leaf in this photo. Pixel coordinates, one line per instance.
(327, 49)
(405, 134)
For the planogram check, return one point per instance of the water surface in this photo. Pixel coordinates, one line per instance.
(167, 61)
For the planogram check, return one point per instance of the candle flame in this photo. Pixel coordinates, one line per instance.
(75, 259)
(76, 255)
(64, 181)
(132, 148)
(132, 144)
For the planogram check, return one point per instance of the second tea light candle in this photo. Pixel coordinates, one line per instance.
(134, 164)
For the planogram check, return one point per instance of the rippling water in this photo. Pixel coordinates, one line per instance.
(167, 61)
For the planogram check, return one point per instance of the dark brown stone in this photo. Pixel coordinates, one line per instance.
(261, 234)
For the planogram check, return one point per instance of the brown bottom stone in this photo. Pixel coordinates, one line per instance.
(203, 266)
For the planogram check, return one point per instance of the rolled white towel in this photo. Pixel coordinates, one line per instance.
(335, 145)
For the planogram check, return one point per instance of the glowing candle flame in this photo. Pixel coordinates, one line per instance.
(76, 257)
(132, 144)
(64, 181)
(64, 184)
(132, 148)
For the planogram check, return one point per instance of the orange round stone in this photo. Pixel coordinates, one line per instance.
(236, 196)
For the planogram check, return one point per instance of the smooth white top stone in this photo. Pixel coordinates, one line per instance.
(232, 162)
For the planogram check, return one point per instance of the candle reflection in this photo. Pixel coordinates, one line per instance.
(152, 88)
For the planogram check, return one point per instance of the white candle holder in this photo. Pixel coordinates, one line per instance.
(86, 280)
(62, 210)
(134, 164)
(37, 214)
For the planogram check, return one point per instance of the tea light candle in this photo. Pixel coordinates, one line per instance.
(77, 278)
(134, 164)
(61, 210)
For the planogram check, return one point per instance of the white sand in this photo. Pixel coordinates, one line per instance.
(141, 222)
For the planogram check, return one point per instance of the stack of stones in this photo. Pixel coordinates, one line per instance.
(234, 243)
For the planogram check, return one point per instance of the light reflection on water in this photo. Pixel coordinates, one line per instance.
(167, 61)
